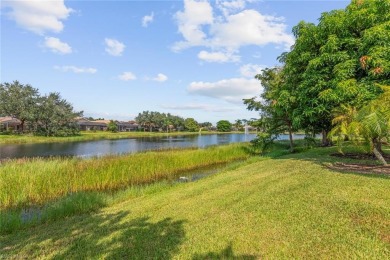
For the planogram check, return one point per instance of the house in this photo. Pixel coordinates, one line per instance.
(8, 123)
(127, 126)
(87, 125)
(102, 125)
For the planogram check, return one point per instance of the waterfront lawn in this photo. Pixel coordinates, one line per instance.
(284, 207)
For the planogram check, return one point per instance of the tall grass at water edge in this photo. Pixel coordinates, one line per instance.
(29, 182)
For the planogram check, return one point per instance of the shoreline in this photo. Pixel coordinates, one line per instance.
(91, 136)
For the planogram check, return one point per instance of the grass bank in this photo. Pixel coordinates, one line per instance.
(88, 136)
(283, 207)
(27, 182)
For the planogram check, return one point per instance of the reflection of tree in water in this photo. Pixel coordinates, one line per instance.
(226, 253)
(102, 236)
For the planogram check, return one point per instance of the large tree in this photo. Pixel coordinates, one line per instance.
(56, 117)
(224, 126)
(276, 103)
(19, 101)
(339, 61)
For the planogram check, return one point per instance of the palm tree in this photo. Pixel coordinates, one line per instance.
(371, 122)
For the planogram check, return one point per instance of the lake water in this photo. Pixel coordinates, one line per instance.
(121, 146)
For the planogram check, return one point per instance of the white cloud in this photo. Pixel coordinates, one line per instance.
(39, 16)
(75, 69)
(218, 56)
(231, 90)
(160, 78)
(228, 7)
(147, 19)
(204, 107)
(190, 22)
(114, 47)
(250, 27)
(126, 76)
(201, 26)
(251, 70)
(57, 46)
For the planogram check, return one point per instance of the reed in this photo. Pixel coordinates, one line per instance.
(27, 182)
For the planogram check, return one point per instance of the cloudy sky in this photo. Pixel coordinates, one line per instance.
(114, 59)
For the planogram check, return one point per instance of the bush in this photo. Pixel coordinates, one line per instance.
(262, 143)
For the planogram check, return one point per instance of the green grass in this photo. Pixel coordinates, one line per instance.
(89, 135)
(27, 182)
(283, 207)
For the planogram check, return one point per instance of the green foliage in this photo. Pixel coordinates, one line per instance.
(224, 126)
(48, 115)
(112, 126)
(338, 62)
(308, 212)
(262, 143)
(191, 125)
(55, 117)
(153, 121)
(29, 182)
(276, 103)
(238, 124)
(19, 101)
(371, 123)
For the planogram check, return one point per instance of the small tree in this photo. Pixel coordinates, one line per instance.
(371, 122)
(191, 125)
(224, 126)
(112, 126)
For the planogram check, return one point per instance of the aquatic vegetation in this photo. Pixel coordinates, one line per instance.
(26, 182)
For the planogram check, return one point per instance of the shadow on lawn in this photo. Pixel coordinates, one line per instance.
(329, 156)
(99, 236)
(226, 253)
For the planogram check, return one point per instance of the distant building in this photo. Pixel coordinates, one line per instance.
(102, 125)
(8, 123)
(127, 126)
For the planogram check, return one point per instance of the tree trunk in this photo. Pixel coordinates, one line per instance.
(291, 138)
(22, 125)
(325, 139)
(377, 150)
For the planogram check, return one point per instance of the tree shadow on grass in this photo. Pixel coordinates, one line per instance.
(329, 157)
(226, 253)
(109, 236)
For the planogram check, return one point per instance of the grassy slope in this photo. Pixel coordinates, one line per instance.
(285, 207)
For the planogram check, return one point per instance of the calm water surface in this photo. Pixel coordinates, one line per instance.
(120, 146)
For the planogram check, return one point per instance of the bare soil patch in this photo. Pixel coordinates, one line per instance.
(360, 167)
(359, 156)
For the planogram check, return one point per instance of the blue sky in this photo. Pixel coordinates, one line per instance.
(114, 59)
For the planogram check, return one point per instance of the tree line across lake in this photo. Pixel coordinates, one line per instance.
(51, 115)
(334, 80)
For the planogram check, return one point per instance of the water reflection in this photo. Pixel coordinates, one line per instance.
(119, 146)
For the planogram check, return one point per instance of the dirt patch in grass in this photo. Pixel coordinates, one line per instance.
(361, 168)
(360, 156)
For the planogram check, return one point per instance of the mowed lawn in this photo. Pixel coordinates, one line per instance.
(285, 207)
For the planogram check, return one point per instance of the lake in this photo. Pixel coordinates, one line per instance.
(121, 146)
